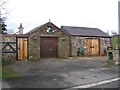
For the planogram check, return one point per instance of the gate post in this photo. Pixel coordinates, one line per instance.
(16, 48)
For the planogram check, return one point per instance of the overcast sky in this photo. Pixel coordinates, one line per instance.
(102, 14)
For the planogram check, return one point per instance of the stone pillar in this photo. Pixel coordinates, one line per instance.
(116, 53)
(20, 29)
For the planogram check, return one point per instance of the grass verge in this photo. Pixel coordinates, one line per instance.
(8, 72)
(0, 73)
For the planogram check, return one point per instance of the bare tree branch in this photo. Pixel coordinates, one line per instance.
(3, 9)
(3, 3)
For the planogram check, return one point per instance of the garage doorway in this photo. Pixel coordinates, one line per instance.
(92, 46)
(48, 47)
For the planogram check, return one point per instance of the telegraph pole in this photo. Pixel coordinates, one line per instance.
(119, 28)
(118, 17)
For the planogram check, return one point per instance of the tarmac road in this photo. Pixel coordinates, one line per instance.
(59, 73)
(115, 84)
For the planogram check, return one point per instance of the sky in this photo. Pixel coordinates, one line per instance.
(102, 14)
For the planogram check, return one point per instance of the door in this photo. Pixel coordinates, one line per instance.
(48, 47)
(92, 46)
(22, 49)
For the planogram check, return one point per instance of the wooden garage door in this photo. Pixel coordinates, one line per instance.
(48, 47)
(92, 46)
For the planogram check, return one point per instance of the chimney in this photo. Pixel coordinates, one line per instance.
(20, 29)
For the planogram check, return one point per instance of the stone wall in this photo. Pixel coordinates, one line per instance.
(63, 44)
(63, 50)
(104, 43)
(34, 41)
(78, 42)
(34, 47)
(11, 39)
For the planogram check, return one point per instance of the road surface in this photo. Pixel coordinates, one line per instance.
(115, 84)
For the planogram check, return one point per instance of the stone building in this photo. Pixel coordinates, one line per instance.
(93, 40)
(45, 41)
(48, 41)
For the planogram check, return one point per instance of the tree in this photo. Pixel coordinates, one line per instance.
(10, 31)
(3, 28)
(3, 12)
(113, 33)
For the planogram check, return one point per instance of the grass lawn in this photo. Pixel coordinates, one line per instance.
(8, 72)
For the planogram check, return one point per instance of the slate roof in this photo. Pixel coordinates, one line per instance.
(84, 31)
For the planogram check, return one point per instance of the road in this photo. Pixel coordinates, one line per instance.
(115, 84)
(58, 73)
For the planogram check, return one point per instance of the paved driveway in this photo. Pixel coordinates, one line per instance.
(59, 73)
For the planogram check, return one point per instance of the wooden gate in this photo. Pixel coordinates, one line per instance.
(19, 47)
(9, 47)
(48, 47)
(22, 45)
(92, 46)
